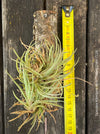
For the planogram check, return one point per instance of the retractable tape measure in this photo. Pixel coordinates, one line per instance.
(68, 48)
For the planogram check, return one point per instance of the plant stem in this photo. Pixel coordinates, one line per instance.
(45, 123)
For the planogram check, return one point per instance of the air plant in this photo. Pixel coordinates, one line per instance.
(40, 75)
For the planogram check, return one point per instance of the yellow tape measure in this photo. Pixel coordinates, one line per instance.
(68, 47)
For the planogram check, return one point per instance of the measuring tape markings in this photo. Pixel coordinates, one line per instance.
(69, 92)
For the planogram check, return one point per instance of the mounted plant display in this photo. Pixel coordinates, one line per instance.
(40, 73)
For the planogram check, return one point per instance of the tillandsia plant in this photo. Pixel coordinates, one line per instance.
(40, 75)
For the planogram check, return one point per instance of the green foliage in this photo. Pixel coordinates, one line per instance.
(40, 74)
